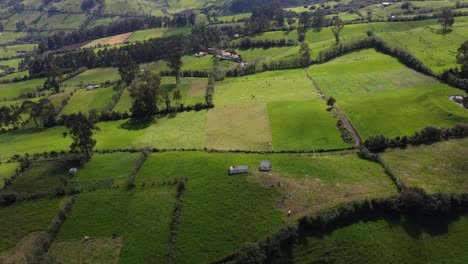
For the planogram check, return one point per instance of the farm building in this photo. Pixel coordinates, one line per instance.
(201, 54)
(72, 171)
(238, 169)
(265, 165)
(92, 87)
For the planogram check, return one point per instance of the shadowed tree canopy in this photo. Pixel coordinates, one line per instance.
(128, 69)
(43, 110)
(462, 59)
(81, 130)
(336, 29)
(446, 19)
(145, 90)
(176, 49)
(304, 54)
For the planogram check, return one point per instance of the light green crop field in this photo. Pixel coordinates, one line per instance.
(288, 85)
(246, 206)
(83, 101)
(233, 18)
(146, 34)
(387, 242)
(61, 21)
(185, 130)
(14, 63)
(13, 90)
(178, 31)
(23, 218)
(304, 125)
(112, 40)
(215, 204)
(437, 51)
(6, 37)
(15, 50)
(105, 170)
(42, 177)
(373, 84)
(94, 76)
(120, 7)
(192, 91)
(140, 216)
(440, 167)
(244, 127)
(7, 170)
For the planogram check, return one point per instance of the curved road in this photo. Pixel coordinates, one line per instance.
(343, 117)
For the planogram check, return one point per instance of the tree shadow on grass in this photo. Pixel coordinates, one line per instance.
(138, 123)
(443, 32)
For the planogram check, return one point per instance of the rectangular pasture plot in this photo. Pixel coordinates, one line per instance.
(14, 75)
(7, 170)
(141, 217)
(403, 112)
(289, 85)
(16, 50)
(112, 40)
(363, 72)
(83, 101)
(6, 37)
(305, 125)
(440, 167)
(120, 7)
(215, 204)
(14, 90)
(61, 21)
(94, 76)
(23, 218)
(243, 127)
(146, 34)
(261, 54)
(42, 177)
(105, 169)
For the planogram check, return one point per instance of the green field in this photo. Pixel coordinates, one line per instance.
(141, 217)
(146, 34)
(440, 167)
(83, 101)
(387, 242)
(374, 83)
(21, 219)
(13, 90)
(288, 85)
(16, 50)
(42, 177)
(105, 170)
(94, 76)
(7, 170)
(304, 125)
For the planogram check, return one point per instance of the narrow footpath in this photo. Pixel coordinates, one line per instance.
(343, 117)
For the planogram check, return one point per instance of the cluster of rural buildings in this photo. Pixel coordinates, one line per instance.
(221, 54)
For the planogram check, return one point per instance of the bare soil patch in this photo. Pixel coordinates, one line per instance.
(26, 249)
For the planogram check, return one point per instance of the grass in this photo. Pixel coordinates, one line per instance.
(146, 34)
(83, 101)
(42, 177)
(7, 170)
(7, 37)
(20, 219)
(247, 128)
(112, 40)
(14, 75)
(214, 203)
(371, 83)
(15, 50)
(387, 242)
(13, 90)
(105, 169)
(288, 85)
(440, 167)
(140, 216)
(304, 125)
(94, 76)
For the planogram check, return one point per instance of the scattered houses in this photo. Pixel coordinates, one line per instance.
(238, 170)
(265, 165)
(201, 54)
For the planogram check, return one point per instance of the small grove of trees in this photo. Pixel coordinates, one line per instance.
(336, 28)
(264, 16)
(462, 59)
(81, 130)
(446, 19)
(127, 67)
(331, 101)
(42, 112)
(9, 115)
(304, 54)
(144, 91)
(174, 55)
(53, 74)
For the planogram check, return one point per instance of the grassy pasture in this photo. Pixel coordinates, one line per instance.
(6, 37)
(288, 85)
(15, 50)
(112, 40)
(83, 101)
(140, 216)
(185, 130)
(13, 90)
(440, 167)
(371, 83)
(14, 75)
(43, 177)
(304, 125)
(20, 219)
(246, 206)
(146, 34)
(94, 76)
(238, 127)
(105, 170)
(7, 170)
(61, 21)
(14, 63)
(387, 242)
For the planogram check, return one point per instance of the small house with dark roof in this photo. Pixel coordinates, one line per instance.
(265, 165)
(238, 169)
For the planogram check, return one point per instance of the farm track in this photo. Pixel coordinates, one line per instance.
(343, 117)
